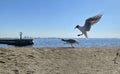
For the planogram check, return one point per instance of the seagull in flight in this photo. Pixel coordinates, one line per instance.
(88, 23)
(70, 41)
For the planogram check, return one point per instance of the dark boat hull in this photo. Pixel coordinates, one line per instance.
(17, 42)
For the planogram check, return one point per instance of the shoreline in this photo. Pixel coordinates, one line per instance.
(13, 47)
(63, 60)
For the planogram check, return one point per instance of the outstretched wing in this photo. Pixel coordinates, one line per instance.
(90, 21)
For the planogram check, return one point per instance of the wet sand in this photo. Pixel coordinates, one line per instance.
(101, 60)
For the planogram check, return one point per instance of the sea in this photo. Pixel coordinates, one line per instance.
(56, 42)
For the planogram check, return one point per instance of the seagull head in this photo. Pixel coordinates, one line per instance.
(77, 26)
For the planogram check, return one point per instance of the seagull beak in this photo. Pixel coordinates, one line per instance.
(76, 26)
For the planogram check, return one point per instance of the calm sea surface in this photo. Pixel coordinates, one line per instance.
(56, 42)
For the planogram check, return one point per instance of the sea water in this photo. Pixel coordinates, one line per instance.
(56, 42)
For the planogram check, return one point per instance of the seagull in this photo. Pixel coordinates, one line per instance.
(70, 41)
(88, 23)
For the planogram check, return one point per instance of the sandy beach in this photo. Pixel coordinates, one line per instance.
(98, 60)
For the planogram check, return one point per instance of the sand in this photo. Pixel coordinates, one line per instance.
(99, 60)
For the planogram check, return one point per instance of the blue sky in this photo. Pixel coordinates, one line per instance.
(57, 18)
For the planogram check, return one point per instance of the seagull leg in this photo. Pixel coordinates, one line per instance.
(78, 43)
(65, 43)
(72, 46)
(85, 34)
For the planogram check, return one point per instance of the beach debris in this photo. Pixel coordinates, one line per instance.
(2, 62)
(116, 57)
(70, 41)
(88, 23)
(16, 71)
